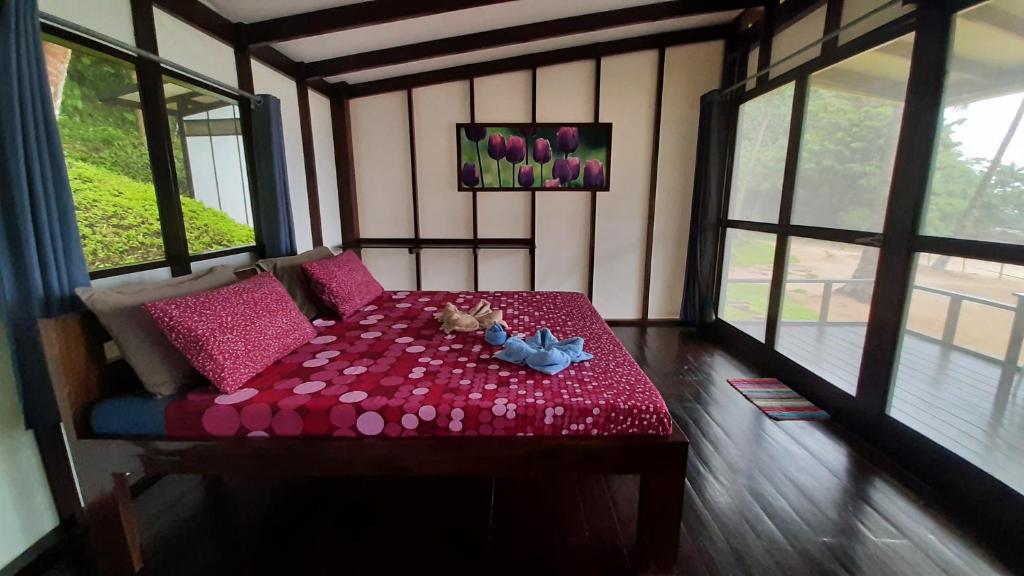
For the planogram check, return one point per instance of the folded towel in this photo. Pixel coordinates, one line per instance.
(544, 352)
(495, 335)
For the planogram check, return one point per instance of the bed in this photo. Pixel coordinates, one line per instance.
(383, 392)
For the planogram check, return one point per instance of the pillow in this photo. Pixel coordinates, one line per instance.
(288, 270)
(233, 333)
(158, 364)
(342, 283)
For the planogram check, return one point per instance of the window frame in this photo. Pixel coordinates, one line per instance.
(899, 242)
(173, 228)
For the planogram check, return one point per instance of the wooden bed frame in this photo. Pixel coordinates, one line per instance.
(77, 365)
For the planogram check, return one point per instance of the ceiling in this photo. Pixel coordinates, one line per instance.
(437, 40)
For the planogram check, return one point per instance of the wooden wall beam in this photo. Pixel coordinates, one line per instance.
(351, 16)
(521, 34)
(309, 163)
(341, 123)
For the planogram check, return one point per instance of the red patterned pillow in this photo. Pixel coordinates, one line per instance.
(233, 333)
(343, 283)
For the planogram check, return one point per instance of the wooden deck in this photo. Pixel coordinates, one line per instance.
(947, 394)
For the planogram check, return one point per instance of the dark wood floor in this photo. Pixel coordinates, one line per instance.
(762, 498)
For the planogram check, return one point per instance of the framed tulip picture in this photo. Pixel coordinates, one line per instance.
(543, 156)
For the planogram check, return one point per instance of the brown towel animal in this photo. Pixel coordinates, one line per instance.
(479, 317)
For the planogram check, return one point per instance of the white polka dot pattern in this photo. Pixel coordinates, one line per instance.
(402, 376)
(343, 283)
(233, 333)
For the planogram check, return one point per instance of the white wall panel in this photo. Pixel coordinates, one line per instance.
(447, 269)
(326, 175)
(808, 29)
(690, 70)
(194, 49)
(394, 269)
(504, 98)
(565, 93)
(110, 17)
(444, 211)
(628, 84)
(504, 269)
(853, 9)
(269, 81)
(380, 151)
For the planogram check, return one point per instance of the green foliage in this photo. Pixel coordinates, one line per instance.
(119, 221)
(97, 132)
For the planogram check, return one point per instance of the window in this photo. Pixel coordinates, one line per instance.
(977, 190)
(213, 181)
(760, 159)
(825, 305)
(98, 104)
(746, 280)
(106, 152)
(848, 145)
(960, 361)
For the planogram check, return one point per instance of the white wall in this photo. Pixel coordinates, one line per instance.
(796, 36)
(680, 108)
(110, 17)
(27, 511)
(183, 44)
(326, 175)
(565, 93)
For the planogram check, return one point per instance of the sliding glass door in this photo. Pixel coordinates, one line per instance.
(874, 230)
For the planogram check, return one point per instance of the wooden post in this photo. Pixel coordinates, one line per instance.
(660, 516)
(1009, 372)
(112, 524)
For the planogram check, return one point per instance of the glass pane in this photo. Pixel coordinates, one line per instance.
(747, 280)
(213, 180)
(977, 185)
(96, 101)
(852, 125)
(958, 378)
(762, 135)
(825, 305)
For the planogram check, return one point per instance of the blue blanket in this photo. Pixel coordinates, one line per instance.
(544, 352)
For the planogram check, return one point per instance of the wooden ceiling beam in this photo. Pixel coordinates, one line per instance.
(351, 16)
(204, 18)
(521, 34)
(527, 61)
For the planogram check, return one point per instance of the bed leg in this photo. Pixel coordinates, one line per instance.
(111, 521)
(659, 518)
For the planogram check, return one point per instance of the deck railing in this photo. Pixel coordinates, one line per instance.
(1010, 360)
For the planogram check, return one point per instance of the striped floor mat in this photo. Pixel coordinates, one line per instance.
(777, 400)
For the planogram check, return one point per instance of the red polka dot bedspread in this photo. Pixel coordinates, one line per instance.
(389, 371)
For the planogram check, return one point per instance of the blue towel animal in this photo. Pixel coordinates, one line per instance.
(495, 335)
(544, 352)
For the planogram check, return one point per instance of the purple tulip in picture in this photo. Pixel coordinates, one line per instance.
(568, 139)
(515, 152)
(470, 175)
(574, 167)
(496, 150)
(593, 174)
(562, 171)
(542, 153)
(526, 176)
(475, 133)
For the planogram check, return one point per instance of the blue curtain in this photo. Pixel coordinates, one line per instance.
(708, 190)
(274, 210)
(41, 260)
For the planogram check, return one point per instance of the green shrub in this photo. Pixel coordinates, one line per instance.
(120, 224)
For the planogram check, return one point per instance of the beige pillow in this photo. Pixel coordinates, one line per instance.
(159, 365)
(288, 270)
